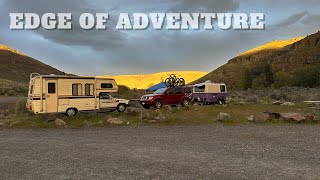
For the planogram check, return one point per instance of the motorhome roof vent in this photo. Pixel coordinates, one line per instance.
(207, 81)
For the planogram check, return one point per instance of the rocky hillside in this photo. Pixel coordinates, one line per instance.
(15, 70)
(16, 66)
(280, 63)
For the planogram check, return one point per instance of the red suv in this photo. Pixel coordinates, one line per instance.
(167, 96)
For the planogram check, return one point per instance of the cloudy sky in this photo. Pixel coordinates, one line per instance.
(110, 52)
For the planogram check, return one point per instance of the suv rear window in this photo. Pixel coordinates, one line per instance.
(179, 90)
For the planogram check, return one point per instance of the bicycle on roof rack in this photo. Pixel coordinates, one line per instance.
(173, 81)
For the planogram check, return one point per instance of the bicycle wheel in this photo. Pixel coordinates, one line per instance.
(180, 82)
(168, 82)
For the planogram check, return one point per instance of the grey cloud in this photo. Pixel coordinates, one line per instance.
(292, 19)
(95, 39)
(206, 5)
(311, 19)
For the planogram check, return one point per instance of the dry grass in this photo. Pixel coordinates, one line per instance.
(194, 115)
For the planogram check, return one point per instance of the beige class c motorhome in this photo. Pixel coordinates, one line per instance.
(72, 94)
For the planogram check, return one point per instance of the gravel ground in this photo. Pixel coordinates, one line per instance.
(162, 152)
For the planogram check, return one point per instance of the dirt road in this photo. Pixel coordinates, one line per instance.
(165, 152)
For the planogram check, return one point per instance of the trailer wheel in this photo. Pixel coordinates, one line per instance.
(220, 101)
(121, 108)
(71, 112)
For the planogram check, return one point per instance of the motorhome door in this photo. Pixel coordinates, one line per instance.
(52, 96)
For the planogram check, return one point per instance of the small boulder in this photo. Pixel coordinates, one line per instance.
(144, 116)
(277, 103)
(222, 116)
(86, 123)
(59, 122)
(169, 108)
(263, 117)
(251, 118)
(114, 121)
(2, 125)
(310, 116)
(274, 115)
(153, 121)
(13, 124)
(287, 104)
(293, 117)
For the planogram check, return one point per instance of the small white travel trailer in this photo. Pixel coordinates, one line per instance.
(71, 94)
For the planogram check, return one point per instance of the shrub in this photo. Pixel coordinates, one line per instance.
(282, 79)
(308, 76)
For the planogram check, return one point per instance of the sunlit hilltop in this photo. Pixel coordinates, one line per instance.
(273, 45)
(145, 81)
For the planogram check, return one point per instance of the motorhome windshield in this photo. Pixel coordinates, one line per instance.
(160, 91)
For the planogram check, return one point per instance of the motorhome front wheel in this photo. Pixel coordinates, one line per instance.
(121, 108)
(71, 112)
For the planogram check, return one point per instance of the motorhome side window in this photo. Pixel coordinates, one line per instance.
(76, 89)
(88, 89)
(199, 88)
(223, 88)
(106, 85)
(51, 88)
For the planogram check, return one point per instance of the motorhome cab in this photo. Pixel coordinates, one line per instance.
(71, 94)
(209, 93)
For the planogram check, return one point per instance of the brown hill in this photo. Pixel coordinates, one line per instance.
(280, 66)
(16, 66)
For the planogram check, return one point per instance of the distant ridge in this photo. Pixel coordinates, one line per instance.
(145, 81)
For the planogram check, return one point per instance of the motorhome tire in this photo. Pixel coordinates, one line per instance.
(121, 108)
(71, 112)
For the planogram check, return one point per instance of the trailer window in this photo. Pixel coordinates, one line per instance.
(51, 88)
(88, 89)
(223, 88)
(106, 85)
(76, 89)
(199, 88)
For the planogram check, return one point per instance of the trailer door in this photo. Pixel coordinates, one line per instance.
(52, 96)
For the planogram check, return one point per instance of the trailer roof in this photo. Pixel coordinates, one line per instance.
(72, 77)
(208, 83)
